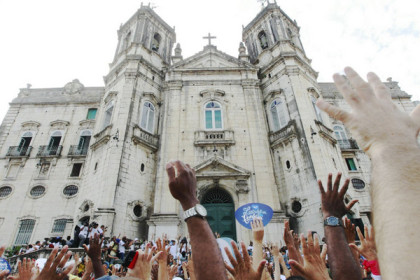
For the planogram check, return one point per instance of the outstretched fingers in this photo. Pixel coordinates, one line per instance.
(351, 204)
(344, 188)
(380, 90)
(333, 111)
(415, 115)
(232, 260)
(343, 86)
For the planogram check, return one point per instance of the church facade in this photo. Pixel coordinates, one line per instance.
(248, 125)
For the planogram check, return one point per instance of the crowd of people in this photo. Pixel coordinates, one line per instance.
(386, 134)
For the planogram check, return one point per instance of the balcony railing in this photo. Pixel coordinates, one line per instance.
(287, 133)
(141, 136)
(75, 150)
(47, 151)
(17, 151)
(204, 137)
(349, 144)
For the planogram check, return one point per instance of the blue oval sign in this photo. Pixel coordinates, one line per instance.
(4, 265)
(246, 213)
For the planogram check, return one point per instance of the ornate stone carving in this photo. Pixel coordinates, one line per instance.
(242, 186)
(73, 87)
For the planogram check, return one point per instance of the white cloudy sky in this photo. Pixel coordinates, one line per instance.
(48, 43)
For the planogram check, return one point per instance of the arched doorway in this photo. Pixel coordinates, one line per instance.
(220, 212)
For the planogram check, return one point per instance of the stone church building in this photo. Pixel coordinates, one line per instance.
(247, 124)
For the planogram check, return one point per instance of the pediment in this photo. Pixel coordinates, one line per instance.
(217, 167)
(211, 58)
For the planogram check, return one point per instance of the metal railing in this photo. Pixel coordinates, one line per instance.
(349, 144)
(47, 151)
(75, 150)
(17, 151)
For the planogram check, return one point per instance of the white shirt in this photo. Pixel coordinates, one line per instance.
(121, 247)
(92, 232)
(84, 231)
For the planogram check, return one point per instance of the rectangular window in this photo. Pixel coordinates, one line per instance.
(75, 172)
(59, 226)
(209, 121)
(108, 115)
(24, 234)
(91, 115)
(351, 165)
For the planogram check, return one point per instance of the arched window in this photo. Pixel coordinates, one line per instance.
(216, 195)
(278, 114)
(156, 42)
(317, 110)
(213, 115)
(148, 117)
(24, 143)
(340, 133)
(263, 40)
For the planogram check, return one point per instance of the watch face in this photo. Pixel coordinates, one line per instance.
(201, 210)
(333, 221)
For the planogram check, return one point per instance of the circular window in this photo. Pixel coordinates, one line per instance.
(70, 190)
(37, 191)
(296, 206)
(5, 191)
(137, 211)
(358, 184)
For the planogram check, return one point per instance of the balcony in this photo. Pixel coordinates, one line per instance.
(102, 137)
(140, 136)
(325, 132)
(286, 134)
(203, 138)
(46, 151)
(17, 151)
(349, 144)
(76, 151)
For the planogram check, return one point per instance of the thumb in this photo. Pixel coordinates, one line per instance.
(354, 246)
(260, 269)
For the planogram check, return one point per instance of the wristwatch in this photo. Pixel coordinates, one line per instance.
(333, 221)
(198, 210)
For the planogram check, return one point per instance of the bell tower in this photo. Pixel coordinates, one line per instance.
(302, 144)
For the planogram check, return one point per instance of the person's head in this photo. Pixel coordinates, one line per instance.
(68, 238)
(124, 239)
(38, 243)
(30, 246)
(183, 254)
(251, 243)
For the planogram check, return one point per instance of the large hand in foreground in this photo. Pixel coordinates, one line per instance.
(53, 268)
(24, 269)
(288, 238)
(183, 185)
(242, 268)
(375, 121)
(143, 267)
(313, 267)
(332, 200)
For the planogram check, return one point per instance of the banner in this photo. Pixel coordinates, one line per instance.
(4, 265)
(246, 213)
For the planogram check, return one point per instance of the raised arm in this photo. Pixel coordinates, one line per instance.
(208, 262)
(389, 137)
(258, 235)
(340, 258)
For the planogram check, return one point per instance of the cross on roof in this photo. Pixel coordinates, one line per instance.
(209, 37)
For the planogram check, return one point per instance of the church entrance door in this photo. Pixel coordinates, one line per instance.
(220, 212)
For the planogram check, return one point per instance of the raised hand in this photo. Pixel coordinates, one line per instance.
(172, 271)
(313, 266)
(24, 270)
(288, 238)
(377, 124)
(333, 200)
(54, 267)
(242, 268)
(142, 268)
(367, 246)
(350, 230)
(94, 253)
(183, 185)
(257, 227)
(163, 257)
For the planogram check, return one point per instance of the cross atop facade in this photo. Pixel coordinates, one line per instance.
(209, 37)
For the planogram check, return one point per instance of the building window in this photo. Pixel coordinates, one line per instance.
(156, 42)
(137, 210)
(263, 40)
(296, 206)
(37, 191)
(278, 114)
(26, 228)
(84, 141)
(148, 117)
(108, 115)
(358, 184)
(213, 115)
(59, 226)
(340, 133)
(54, 143)
(91, 115)
(5, 191)
(317, 110)
(70, 190)
(351, 165)
(75, 171)
(24, 143)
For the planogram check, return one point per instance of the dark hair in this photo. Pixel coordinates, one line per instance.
(296, 278)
